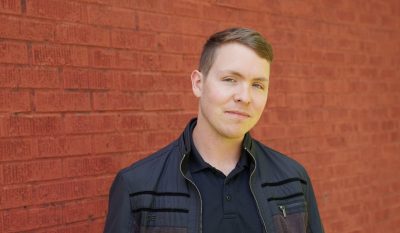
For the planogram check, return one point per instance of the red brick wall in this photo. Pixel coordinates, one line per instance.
(90, 86)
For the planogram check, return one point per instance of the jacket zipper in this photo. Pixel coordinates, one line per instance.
(284, 207)
(252, 192)
(198, 191)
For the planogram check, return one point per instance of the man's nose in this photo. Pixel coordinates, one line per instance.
(243, 94)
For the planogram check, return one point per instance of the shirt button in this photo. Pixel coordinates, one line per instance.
(228, 197)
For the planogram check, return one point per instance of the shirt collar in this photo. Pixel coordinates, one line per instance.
(197, 163)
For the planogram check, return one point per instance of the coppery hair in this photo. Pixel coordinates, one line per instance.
(245, 36)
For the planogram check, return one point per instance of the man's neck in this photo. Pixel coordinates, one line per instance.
(218, 151)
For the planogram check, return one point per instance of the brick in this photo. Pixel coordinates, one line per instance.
(190, 63)
(90, 225)
(64, 146)
(156, 140)
(108, 58)
(347, 16)
(89, 123)
(198, 27)
(46, 101)
(171, 63)
(68, 33)
(17, 149)
(170, 121)
(90, 166)
(128, 158)
(111, 16)
(24, 29)
(15, 196)
(131, 39)
(1, 180)
(1, 222)
(325, 71)
(117, 101)
(162, 101)
(14, 101)
(285, 85)
(172, 83)
(153, 121)
(88, 79)
(220, 13)
(105, 58)
(367, 18)
(44, 54)
(182, 8)
(132, 81)
(189, 102)
(118, 143)
(180, 44)
(127, 60)
(57, 9)
(305, 100)
(32, 125)
(155, 5)
(70, 190)
(13, 52)
(333, 57)
(158, 22)
(9, 26)
(276, 100)
(87, 209)
(117, 3)
(27, 219)
(28, 77)
(133, 122)
(299, 69)
(24, 172)
(270, 132)
(149, 62)
(10, 6)
(254, 5)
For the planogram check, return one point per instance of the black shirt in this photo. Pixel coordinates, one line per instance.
(228, 204)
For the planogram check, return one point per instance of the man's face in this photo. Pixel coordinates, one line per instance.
(234, 93)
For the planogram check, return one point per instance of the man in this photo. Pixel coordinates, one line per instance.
(215, 178)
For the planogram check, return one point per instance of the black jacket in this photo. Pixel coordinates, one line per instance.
(157, 193)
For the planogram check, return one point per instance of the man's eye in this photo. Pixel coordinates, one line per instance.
(229, 80)
(259, 86)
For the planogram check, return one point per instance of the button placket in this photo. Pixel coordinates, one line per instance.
(228, 198)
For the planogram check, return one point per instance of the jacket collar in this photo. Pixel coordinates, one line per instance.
(185, 139)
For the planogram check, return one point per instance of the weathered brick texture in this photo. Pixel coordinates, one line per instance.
(89, 86)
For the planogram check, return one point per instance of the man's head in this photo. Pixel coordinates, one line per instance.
(244, 36)
(232, 83)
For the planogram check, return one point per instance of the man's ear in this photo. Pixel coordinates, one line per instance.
(197, 82)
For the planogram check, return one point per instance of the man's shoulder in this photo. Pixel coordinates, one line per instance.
(150, 164)
(278, 161)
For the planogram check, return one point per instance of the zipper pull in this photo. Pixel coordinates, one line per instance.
(283, 209)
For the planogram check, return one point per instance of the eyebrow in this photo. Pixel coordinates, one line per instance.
(263, 79)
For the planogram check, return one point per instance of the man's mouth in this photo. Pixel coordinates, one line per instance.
(239, 114)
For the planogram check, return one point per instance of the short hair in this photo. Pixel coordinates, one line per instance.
(245, 36)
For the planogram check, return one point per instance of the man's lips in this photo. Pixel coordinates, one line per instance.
(238, 113)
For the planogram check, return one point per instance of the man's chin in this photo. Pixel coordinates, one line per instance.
(234, 133)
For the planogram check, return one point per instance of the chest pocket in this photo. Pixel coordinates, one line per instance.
(292, 218)
(288, 205)
(156, 212)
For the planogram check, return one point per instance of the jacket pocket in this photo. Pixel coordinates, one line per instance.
(160, 221)
(292, 218)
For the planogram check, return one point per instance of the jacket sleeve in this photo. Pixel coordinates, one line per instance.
(314, 220)
(119, 217)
